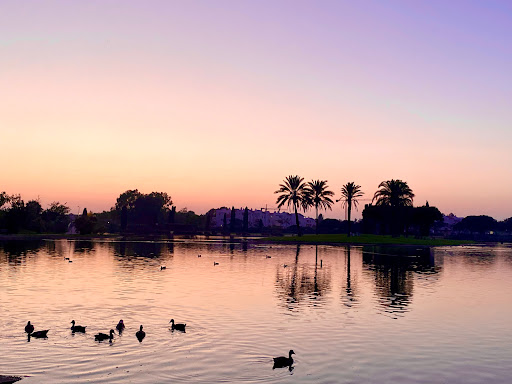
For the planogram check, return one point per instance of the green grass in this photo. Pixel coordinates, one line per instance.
(365, 239)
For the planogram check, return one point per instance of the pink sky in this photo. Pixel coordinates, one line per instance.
(216, 102)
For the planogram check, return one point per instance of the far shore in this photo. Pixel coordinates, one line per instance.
(343, 239)
(332, 239)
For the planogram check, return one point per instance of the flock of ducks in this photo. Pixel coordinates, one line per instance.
(279, 362)
(140, 334)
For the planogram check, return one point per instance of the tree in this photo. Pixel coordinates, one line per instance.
(318, 196)
(293, 192)
(246, 220)
(4, 198)
(424, 217)
(86, 223)
(127, 199)
(232, 222)
(395, 194)
(56, 217)
(350, 192)
(480, 224)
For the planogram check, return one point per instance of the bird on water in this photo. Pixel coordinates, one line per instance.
(40, 334)
(140, 334)
(282, 361)
(120, 326)
(29, 328)
(177, 326)
(103, 336)
(77, 328)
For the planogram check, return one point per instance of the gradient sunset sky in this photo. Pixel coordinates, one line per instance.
(216, 102)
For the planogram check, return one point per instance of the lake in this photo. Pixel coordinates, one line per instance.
(351, 314)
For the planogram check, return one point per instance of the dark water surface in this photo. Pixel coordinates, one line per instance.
(352, 315)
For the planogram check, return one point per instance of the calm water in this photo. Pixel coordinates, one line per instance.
(352, 315)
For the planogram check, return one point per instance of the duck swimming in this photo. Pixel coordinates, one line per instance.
(77, 328)
(29, 328)
(40, 334)
(178, 327)
(281, 361)
(102, 336)
(120, 326)
(140, 334)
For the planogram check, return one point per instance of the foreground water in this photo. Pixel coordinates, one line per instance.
(352, 315)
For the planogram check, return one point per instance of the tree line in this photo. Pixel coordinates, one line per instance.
(391, 211)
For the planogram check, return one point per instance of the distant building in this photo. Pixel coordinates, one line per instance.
(259, 218)
(445, 227)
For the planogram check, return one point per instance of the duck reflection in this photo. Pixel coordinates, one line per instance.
(394, 271)
(298, 283)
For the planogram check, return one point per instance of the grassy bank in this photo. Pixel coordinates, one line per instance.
(365, 239)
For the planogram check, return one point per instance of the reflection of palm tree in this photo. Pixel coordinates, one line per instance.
(318, 197)
(396, 194)
(349, 194)
(293, 192)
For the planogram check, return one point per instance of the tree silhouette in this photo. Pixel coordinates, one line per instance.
(350, 192)
(246, 220)
(318, 196)
(293, 192)
(395, 194)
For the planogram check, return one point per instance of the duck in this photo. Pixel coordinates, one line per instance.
(198, 255)
(215, 263)
(179, 327)
(282, 361)
(66, 258)
(120, 326)
(163, 267)
(29, 328)
(40, 334)
(140, 334)
(77, 328)
(268, 257)
(102, 336)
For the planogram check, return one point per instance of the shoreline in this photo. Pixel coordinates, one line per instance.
(331, 239)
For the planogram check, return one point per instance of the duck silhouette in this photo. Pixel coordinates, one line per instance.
(215, 263)
(102, 336)
(40, 334)
(282, 361)
(77, 328)
(140, 334)
(120, 326)
(163, 267)
(29, 328)
(178, 327)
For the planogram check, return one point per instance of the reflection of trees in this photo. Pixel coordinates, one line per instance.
(16, 251)
(298, 282)
(140, 249)
(350, 296)
(394, 269)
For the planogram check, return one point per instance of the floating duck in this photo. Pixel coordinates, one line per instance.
(77, 328)
(120, 326)
(178, 327)
(215, 263)
(282, 361)
(29, 328)
(39, 334)
(140, 334)
(102, 336)
(163, 267)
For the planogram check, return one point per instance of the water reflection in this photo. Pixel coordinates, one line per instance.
(297, 283)
(350, 288)
(394, 269)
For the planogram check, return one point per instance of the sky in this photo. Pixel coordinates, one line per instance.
(216, 102)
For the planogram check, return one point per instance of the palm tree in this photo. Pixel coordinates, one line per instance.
(293, 192)
(318, 197)
(349, 194)
(395, 194)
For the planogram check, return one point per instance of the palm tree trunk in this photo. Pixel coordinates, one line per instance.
(349, 213)
(316, 220)
(297, 220)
